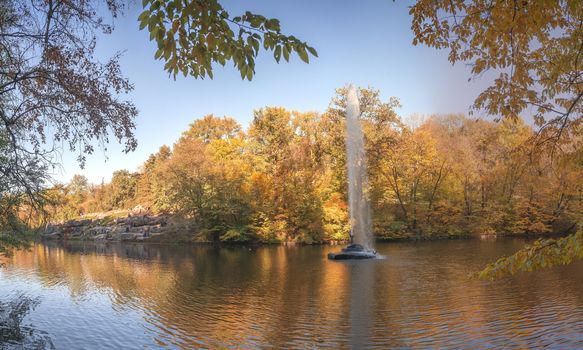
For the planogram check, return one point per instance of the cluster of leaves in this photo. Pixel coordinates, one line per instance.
(191, 36)
(541, 254)
(535, 47)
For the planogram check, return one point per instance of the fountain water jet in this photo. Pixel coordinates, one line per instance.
(361, 238)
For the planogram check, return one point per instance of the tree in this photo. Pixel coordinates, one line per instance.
(123, 189)
(536, 47)
(51, 87)
(213, 128)
(53, 91)
(79, 184)
(151, 189)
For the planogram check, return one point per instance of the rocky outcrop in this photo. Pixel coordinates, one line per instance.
(131, 228)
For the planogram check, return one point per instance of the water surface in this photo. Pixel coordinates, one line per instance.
(148, 296)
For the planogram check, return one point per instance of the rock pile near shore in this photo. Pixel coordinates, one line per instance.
(131, 228)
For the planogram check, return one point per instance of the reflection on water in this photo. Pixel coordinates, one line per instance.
(136, 296)
(13, 334)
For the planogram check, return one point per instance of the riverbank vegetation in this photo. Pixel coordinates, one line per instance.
(284, 178)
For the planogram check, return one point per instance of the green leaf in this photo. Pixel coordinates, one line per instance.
(286, 53)
(277, 53)
(303, 55)
(143, 15)
(152, 22)
(255, 22)
(144, 23)
(256, 45)
(153, 33)
(312, 51)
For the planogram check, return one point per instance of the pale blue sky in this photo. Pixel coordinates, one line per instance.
(367, 43)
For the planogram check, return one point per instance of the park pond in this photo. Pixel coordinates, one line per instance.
(132, 296)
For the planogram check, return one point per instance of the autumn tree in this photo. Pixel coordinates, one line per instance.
(151, 189)
(53, 92)
(123, 189)
(534, 47)
(205, 179)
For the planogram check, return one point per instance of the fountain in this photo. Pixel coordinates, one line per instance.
(361, 240)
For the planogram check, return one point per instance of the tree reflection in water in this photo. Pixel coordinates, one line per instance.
(13, 333)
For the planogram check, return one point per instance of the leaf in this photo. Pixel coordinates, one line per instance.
(277, 53)
(144, 15)
(175, 25)
(210, 39)
(256, 45)
(144, 23)
(152, 22)
(303, 55)
(312, 51)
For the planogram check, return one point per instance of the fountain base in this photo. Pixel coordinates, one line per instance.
(353, 251)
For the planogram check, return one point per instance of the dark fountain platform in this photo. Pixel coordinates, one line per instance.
(353, 251)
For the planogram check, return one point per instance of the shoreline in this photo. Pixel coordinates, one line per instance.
(168, 229)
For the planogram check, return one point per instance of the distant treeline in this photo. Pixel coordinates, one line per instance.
(284, 179)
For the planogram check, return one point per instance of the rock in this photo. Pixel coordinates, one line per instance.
(98, 230)
(50, 228)
(121, 221)
(77, 223)
(122, 229)
(54, 235)
(140, 210)
(127, 236)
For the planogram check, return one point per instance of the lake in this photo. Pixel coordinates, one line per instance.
(135, 296)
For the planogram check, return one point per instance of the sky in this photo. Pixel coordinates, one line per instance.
(367, 43)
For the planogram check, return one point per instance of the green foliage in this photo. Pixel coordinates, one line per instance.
(191, 36)
(239, 235)
(541, 254)
(12, 241)
(123, 185)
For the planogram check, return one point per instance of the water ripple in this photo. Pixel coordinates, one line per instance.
(139, 296)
